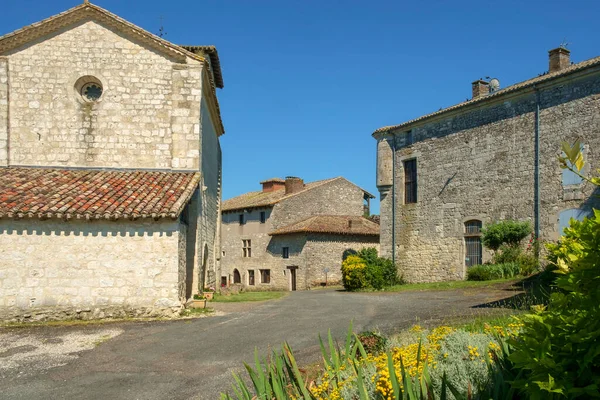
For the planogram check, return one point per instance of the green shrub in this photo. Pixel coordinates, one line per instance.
(507, 254)
(354, 273)
(488, 272)
(528, 264)
(507, 232)
(558, 352)
(366, 270)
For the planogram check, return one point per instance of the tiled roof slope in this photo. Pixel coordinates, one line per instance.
(94, 194)
(522, 85)
(335, 224)
(214, 60)
(264, 199)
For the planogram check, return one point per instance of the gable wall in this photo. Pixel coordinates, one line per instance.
(148, 116)
(339, 197)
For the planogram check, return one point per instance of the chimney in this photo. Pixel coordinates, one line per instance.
(293, 184)
(480, 88)
(559, 59)
(273, 184)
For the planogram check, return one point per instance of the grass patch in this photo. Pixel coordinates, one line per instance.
(248, 296)
(195, 312)
(476, 324)
(450, 285)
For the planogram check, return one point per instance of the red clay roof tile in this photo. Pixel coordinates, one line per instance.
(94, 194)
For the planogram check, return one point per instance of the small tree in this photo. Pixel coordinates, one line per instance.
(508, 232)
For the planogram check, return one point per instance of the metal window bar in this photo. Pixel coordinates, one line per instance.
(410, 181)
(474, 251)
(473, 227)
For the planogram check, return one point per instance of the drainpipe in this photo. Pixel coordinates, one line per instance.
(536, 181)
(394, 199)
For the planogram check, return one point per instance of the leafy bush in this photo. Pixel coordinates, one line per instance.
(488, 272)
(528, 264)
(507, 232)
(366, 270)
(507, 254)
(354, 273)
(558, 352)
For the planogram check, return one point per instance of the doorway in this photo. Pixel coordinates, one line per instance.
(236, 276)
(293, 277)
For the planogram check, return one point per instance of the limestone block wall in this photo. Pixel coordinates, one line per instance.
(147, 117)
(211, 196)
(3, 111)
(479, 164)
(55, 269)
(325, 251)
(338, 197)
(232, 235)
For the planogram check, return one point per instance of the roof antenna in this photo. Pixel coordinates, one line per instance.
(564, 44)
(161, 30)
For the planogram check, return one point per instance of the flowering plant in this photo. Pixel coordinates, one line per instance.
(199, 297)
(209, 289)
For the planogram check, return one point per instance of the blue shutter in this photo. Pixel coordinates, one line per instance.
(571, 178)
(565, 216)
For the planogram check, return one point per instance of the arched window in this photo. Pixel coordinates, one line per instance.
(236, 276)
(473, 242)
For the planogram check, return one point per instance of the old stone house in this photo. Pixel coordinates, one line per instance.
(110, 168)
(445, 175)
(292, 235)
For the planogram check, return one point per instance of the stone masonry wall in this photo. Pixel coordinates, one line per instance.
(479, 164)
(147, 117)
(3, 111)
(339, 197)
(100, 269)
(325, 251)
(211, 197)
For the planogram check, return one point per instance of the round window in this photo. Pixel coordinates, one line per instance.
(89, 88)
(91, 91)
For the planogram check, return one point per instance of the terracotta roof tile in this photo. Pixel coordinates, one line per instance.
(521, 85)
(265, 199)
(335, 224)
(94, 194)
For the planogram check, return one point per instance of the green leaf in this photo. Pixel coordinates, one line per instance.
(393, 377)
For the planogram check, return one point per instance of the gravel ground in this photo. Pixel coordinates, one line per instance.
(28, 354)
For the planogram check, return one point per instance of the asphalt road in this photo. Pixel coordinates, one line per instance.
(194, 359)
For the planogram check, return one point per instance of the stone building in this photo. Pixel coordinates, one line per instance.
(444, 175)
(110, 168)
(292, 235)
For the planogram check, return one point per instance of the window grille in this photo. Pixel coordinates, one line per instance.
(265, 276)
(251, 277)
(410, 181)
(474, 251)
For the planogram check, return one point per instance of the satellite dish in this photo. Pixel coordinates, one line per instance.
(494, 85)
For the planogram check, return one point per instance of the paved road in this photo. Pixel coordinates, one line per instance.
(194, 359)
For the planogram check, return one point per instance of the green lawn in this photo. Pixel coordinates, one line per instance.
(449, 285)
(248, 296)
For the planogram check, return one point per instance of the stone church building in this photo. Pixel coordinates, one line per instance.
(291, 235)
(445, 175)
(110, 169)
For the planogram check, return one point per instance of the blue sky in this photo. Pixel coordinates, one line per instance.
(307, 82)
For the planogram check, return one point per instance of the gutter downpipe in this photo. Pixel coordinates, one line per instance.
(536, 182)
(394, 199)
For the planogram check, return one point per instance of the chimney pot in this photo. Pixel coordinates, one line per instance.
(559, 59)
(480, 88)
(293, 184)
